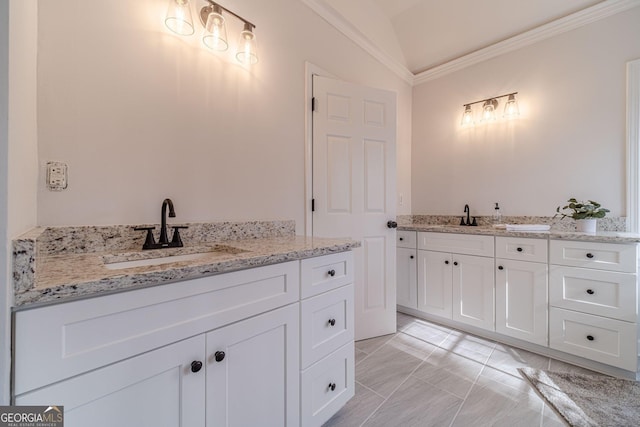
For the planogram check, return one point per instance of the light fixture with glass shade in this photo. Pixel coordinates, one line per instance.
(247, 47)
(179, 21)
(511, 109)
(215, 30)
(467, 116)
(178, 18)
(489, 109)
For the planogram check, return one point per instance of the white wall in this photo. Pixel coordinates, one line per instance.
(18, 151)
(140, 114)
(569, 140)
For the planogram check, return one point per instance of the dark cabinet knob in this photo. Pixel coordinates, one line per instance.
(446, 262)
(219, 356)
(332, 322)
(332, 386)
(590, 337)
(392, 224)
(500, 267)
(401, 239)
(589, 255)
(411, 257)
(196, 365)
(455, 262)
(519, 249)
(331, 273)
(590, 291)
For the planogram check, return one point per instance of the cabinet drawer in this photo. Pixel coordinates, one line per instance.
(605, 340)
(406, 239)
(327, 386)
(603, 256)
(520, 249)
(324, 273)
(60, 341)
(604, 293)
(467, 244)
(326, 324)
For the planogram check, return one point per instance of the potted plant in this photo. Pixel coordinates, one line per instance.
(586, 213)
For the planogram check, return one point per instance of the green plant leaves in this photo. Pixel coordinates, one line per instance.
(581, 210)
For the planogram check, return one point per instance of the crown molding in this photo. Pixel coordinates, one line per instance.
(559, 26)
(330, 15)
(570, 22)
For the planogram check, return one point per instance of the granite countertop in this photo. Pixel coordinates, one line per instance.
(600, 236)
(59, 276)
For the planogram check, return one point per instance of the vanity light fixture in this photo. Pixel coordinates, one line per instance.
(489, 108)
(179, 21)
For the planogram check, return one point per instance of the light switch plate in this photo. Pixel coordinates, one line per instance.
(57, 179)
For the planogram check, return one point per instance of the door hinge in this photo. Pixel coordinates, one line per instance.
(313, 104)
(313, 205)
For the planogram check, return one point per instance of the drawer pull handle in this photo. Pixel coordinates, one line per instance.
(332, 386)
(455, 262)
(401, 238)
(500, 267)
(219, 356)
(331, 273)
(446, 262)
(196, 365)
(589, 255)
(332, 322)
(411, 257)
(519, 249)
(590, 291)
(590, 337)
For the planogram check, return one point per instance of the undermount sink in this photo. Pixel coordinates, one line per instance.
(116, 262)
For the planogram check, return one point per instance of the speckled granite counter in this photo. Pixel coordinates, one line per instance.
(600, 236)
(59, 264)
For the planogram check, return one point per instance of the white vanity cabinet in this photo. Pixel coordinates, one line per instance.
(218, 350)
(456, 277)
(594, 301)
(521, 288)
(406, 269)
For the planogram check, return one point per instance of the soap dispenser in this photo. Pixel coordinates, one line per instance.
(497, 216)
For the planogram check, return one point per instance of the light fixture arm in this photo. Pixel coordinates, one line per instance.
(487, 99)
(205, 11)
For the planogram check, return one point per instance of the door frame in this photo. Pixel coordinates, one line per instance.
(310, 70)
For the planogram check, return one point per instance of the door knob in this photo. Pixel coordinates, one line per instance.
(219, 356)
(392, 224)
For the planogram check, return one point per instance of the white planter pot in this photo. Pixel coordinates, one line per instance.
(586, 225)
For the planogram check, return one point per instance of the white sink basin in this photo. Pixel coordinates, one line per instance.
(120, 261)
(154, 261)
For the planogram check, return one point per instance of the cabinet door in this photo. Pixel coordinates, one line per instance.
(406, 278)
(154, 389)
(434, 283)
(253, 371)
(521, 300)
(473, 285)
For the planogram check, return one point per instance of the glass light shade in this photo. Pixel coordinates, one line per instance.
(247, 47)
(511, 109)
(489, 110)
(215, 31)
(467, 116)
(178, 17)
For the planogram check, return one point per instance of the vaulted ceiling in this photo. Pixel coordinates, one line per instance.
(424, 35)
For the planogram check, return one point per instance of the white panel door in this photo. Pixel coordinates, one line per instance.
(155, 389)
(473, 290)
(354, 179)
(521, 300)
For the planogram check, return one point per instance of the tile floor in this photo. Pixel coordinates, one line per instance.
(431, 375)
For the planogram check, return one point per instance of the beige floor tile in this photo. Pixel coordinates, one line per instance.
(372, 344)
(357, 410)
(403, 320)
(449, 371)
(426, 331)
(509, 359)
(469, 346)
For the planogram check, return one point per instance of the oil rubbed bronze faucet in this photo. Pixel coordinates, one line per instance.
(468, 222)
(163, 241)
